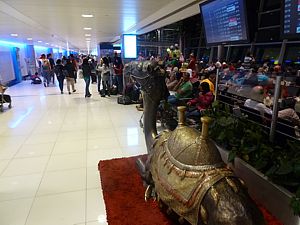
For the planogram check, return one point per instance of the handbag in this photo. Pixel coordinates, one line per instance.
(80, 73)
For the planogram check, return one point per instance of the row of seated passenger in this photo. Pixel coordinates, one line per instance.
(236, 106)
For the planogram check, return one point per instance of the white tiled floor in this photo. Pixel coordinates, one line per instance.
(50, 145)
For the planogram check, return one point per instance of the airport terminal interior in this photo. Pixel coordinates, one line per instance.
(70, 96)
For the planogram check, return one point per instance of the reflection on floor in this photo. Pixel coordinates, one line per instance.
(50, 145)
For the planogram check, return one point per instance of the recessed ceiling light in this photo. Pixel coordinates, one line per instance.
(87, 15)
(47, 43)
(88, 39)
(87, 28)
(39, 41)
(87, 35)
(29, 39)
(14, 35)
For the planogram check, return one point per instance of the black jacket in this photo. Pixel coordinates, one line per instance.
(69, 67)
(86, 70)
(59, 71)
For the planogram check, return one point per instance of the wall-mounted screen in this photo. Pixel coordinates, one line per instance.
(290, 18)
(224, 21)
(129, 46)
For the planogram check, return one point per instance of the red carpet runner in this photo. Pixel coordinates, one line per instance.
(123, 193)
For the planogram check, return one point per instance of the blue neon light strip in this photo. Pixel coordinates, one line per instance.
(12, 44)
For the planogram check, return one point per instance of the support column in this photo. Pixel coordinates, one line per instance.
(159, 37)
(211, 55)
(228, 53)
(275, 108)
(220, 55)
(282, 51)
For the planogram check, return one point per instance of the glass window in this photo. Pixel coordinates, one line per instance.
(292, 54)
(271, 4)
(238, 53)
(268, 53)
(268, 35)
(270, 19)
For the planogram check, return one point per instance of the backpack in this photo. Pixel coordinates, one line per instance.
(113, 90)
(36, 80)
(124, 100)
(45, 65)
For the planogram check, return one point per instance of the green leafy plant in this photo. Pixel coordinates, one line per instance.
(295, 203)
(250, 142)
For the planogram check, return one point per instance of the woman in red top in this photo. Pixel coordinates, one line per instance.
(192, 62)
(202, 102)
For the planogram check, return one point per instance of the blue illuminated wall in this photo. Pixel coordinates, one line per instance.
(15, 54)
(30, 59)
(13, 65)
(39, 50)
(18, 60)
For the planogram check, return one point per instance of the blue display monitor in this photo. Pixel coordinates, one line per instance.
(129, 46)
(290, 19)
(224, 21)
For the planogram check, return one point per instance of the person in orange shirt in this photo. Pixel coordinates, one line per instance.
(211, 80)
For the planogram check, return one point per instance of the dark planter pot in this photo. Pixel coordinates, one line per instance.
(275, 198)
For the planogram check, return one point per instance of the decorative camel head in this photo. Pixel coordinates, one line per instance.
(150, 76)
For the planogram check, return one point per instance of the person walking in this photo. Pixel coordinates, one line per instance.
(52, 65)
(87, 71)
(98, 72)
(45, 68)
(105, 75)
(118, 70)
(75, 65)
(60, 74)
(70, 75)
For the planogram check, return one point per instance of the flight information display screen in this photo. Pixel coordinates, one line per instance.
(224, 21)
(291, 19)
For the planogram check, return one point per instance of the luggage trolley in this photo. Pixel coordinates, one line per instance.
(4, 98)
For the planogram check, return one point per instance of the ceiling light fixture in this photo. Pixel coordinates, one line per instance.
(39, 41)
(14, 35)
(29, 39)
(87, 15)
(87, 28)
(88, 39)
(87, 35)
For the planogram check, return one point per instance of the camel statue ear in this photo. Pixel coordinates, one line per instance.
(140, 66)
(149, 69)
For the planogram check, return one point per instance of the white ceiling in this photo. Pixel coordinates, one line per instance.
(58, 22)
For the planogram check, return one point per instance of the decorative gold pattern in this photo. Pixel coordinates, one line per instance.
(214, 194)
(232, 184)
(184, 171)
(148, 193)
(203, 213)
(183, 193)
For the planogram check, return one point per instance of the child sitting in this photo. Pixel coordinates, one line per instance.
(202, 102)
(35, 79)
